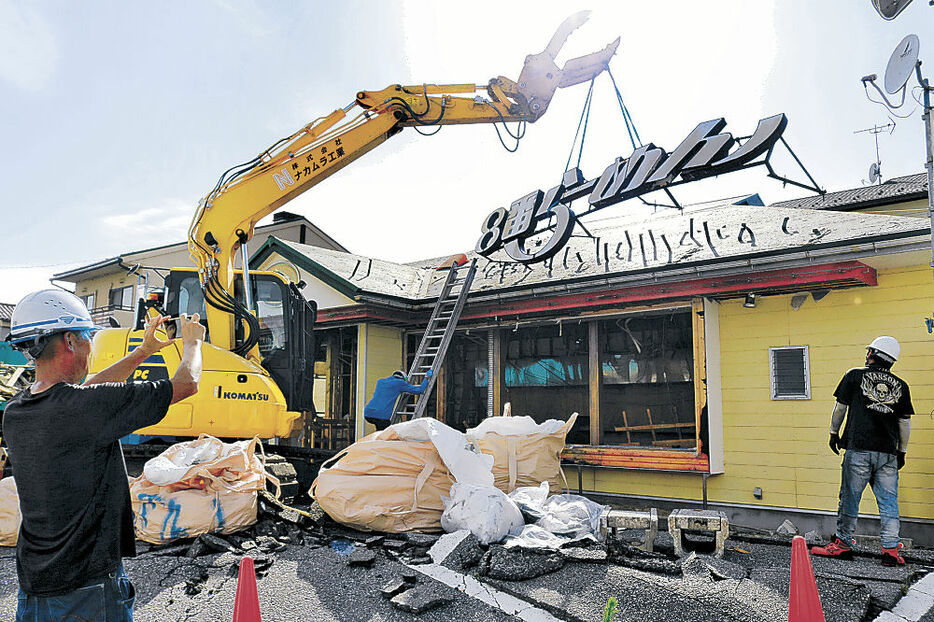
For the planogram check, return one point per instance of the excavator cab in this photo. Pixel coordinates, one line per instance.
(286, 323)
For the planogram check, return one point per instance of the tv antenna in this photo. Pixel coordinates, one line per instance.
(902, 64)
(875, 169)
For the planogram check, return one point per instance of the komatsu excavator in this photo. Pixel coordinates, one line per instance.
(260, 356)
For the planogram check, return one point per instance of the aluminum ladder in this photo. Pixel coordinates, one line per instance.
(435, 341)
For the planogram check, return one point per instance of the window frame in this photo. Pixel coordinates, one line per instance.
(807, 374)
(119, 305)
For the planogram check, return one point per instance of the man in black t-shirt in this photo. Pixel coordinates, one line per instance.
(63, 436)
(877, 406)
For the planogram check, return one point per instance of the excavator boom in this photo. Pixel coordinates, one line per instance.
(226, 217)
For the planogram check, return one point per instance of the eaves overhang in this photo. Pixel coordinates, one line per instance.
(306, 263)
(89, 271)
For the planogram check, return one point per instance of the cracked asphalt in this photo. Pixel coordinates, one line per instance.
(316, 582)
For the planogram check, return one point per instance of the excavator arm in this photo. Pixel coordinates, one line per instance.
(226, 217)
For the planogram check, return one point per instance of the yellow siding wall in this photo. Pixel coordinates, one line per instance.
(781, 446)
(917, 209)
(379, 353)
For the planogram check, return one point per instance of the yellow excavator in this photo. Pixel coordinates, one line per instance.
(259, 358)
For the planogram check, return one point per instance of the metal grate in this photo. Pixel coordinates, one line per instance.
(789, 374)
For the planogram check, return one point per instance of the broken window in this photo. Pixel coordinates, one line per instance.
(464, 380)
(335, 389)
(546, 373)
(647, 385)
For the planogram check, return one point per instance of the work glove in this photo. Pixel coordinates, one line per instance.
(900, 457)
(429, 373)
(835, 443)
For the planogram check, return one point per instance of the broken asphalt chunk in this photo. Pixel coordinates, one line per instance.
(589, 555)
(217, 543)
(374, 541)
(458, 550)
(421, 539)
(395, 545)
(394, 587)
(197, 549)
(361, 557)
(410, 576)
(519, 564)
(423, 598)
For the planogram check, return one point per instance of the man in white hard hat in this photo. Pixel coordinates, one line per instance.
(877, 406)
(63, 438)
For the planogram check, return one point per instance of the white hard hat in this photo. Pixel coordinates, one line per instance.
(886, 346)
(46, 312)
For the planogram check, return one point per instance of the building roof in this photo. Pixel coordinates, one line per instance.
(279, 219)
(895, 190)
(6, 311)
(685, 244)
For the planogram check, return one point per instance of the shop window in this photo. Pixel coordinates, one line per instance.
(121, 298)
(789, 376)
(464, 379)
(546, 374)
(647, 384)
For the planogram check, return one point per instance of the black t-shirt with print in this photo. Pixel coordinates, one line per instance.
(876, 400)
(72, 481)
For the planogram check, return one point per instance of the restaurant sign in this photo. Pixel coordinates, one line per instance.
(706, 152)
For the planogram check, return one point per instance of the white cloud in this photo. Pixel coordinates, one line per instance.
(28, 50)
(164, 224)
(17, 282)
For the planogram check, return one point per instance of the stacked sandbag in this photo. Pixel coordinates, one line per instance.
(198, 487)
(394, 480)
(525, 453)
(10, 517)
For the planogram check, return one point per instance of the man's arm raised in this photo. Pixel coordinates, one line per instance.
(188, 375)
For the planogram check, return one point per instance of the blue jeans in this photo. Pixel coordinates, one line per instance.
(107, 601)
(880, 471)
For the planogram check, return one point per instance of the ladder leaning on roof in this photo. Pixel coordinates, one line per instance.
(435, 341)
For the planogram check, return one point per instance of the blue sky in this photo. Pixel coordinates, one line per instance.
(117, 117)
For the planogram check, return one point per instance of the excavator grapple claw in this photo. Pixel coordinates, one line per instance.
(541, 77)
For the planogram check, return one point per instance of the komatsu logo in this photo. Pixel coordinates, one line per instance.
(240, 395)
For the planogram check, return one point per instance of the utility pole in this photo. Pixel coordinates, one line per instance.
(929, 143)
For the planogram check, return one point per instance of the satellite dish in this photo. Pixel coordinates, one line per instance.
(901, 64)
(874, 174)
(889, 9)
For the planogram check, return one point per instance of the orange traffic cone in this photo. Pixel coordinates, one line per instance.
(803, 599)
(246, 605)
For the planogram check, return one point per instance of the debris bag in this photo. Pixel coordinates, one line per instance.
(571, 516)
(10, 517)
(393, 480)
(565, 518)
(483, 510)
(531, 500)
(525, 453)
(197, 487)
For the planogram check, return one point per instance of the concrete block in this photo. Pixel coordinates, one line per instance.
(706, 522)
(611, 521)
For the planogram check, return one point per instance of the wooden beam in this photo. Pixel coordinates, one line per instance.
(498, 379)
(700, 365)
(654, 426)
(594, 376)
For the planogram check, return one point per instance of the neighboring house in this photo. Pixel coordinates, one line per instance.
(111, 287)
(746, 314)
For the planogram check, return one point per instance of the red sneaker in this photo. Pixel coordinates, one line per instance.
(890, 557)
(836, 548)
